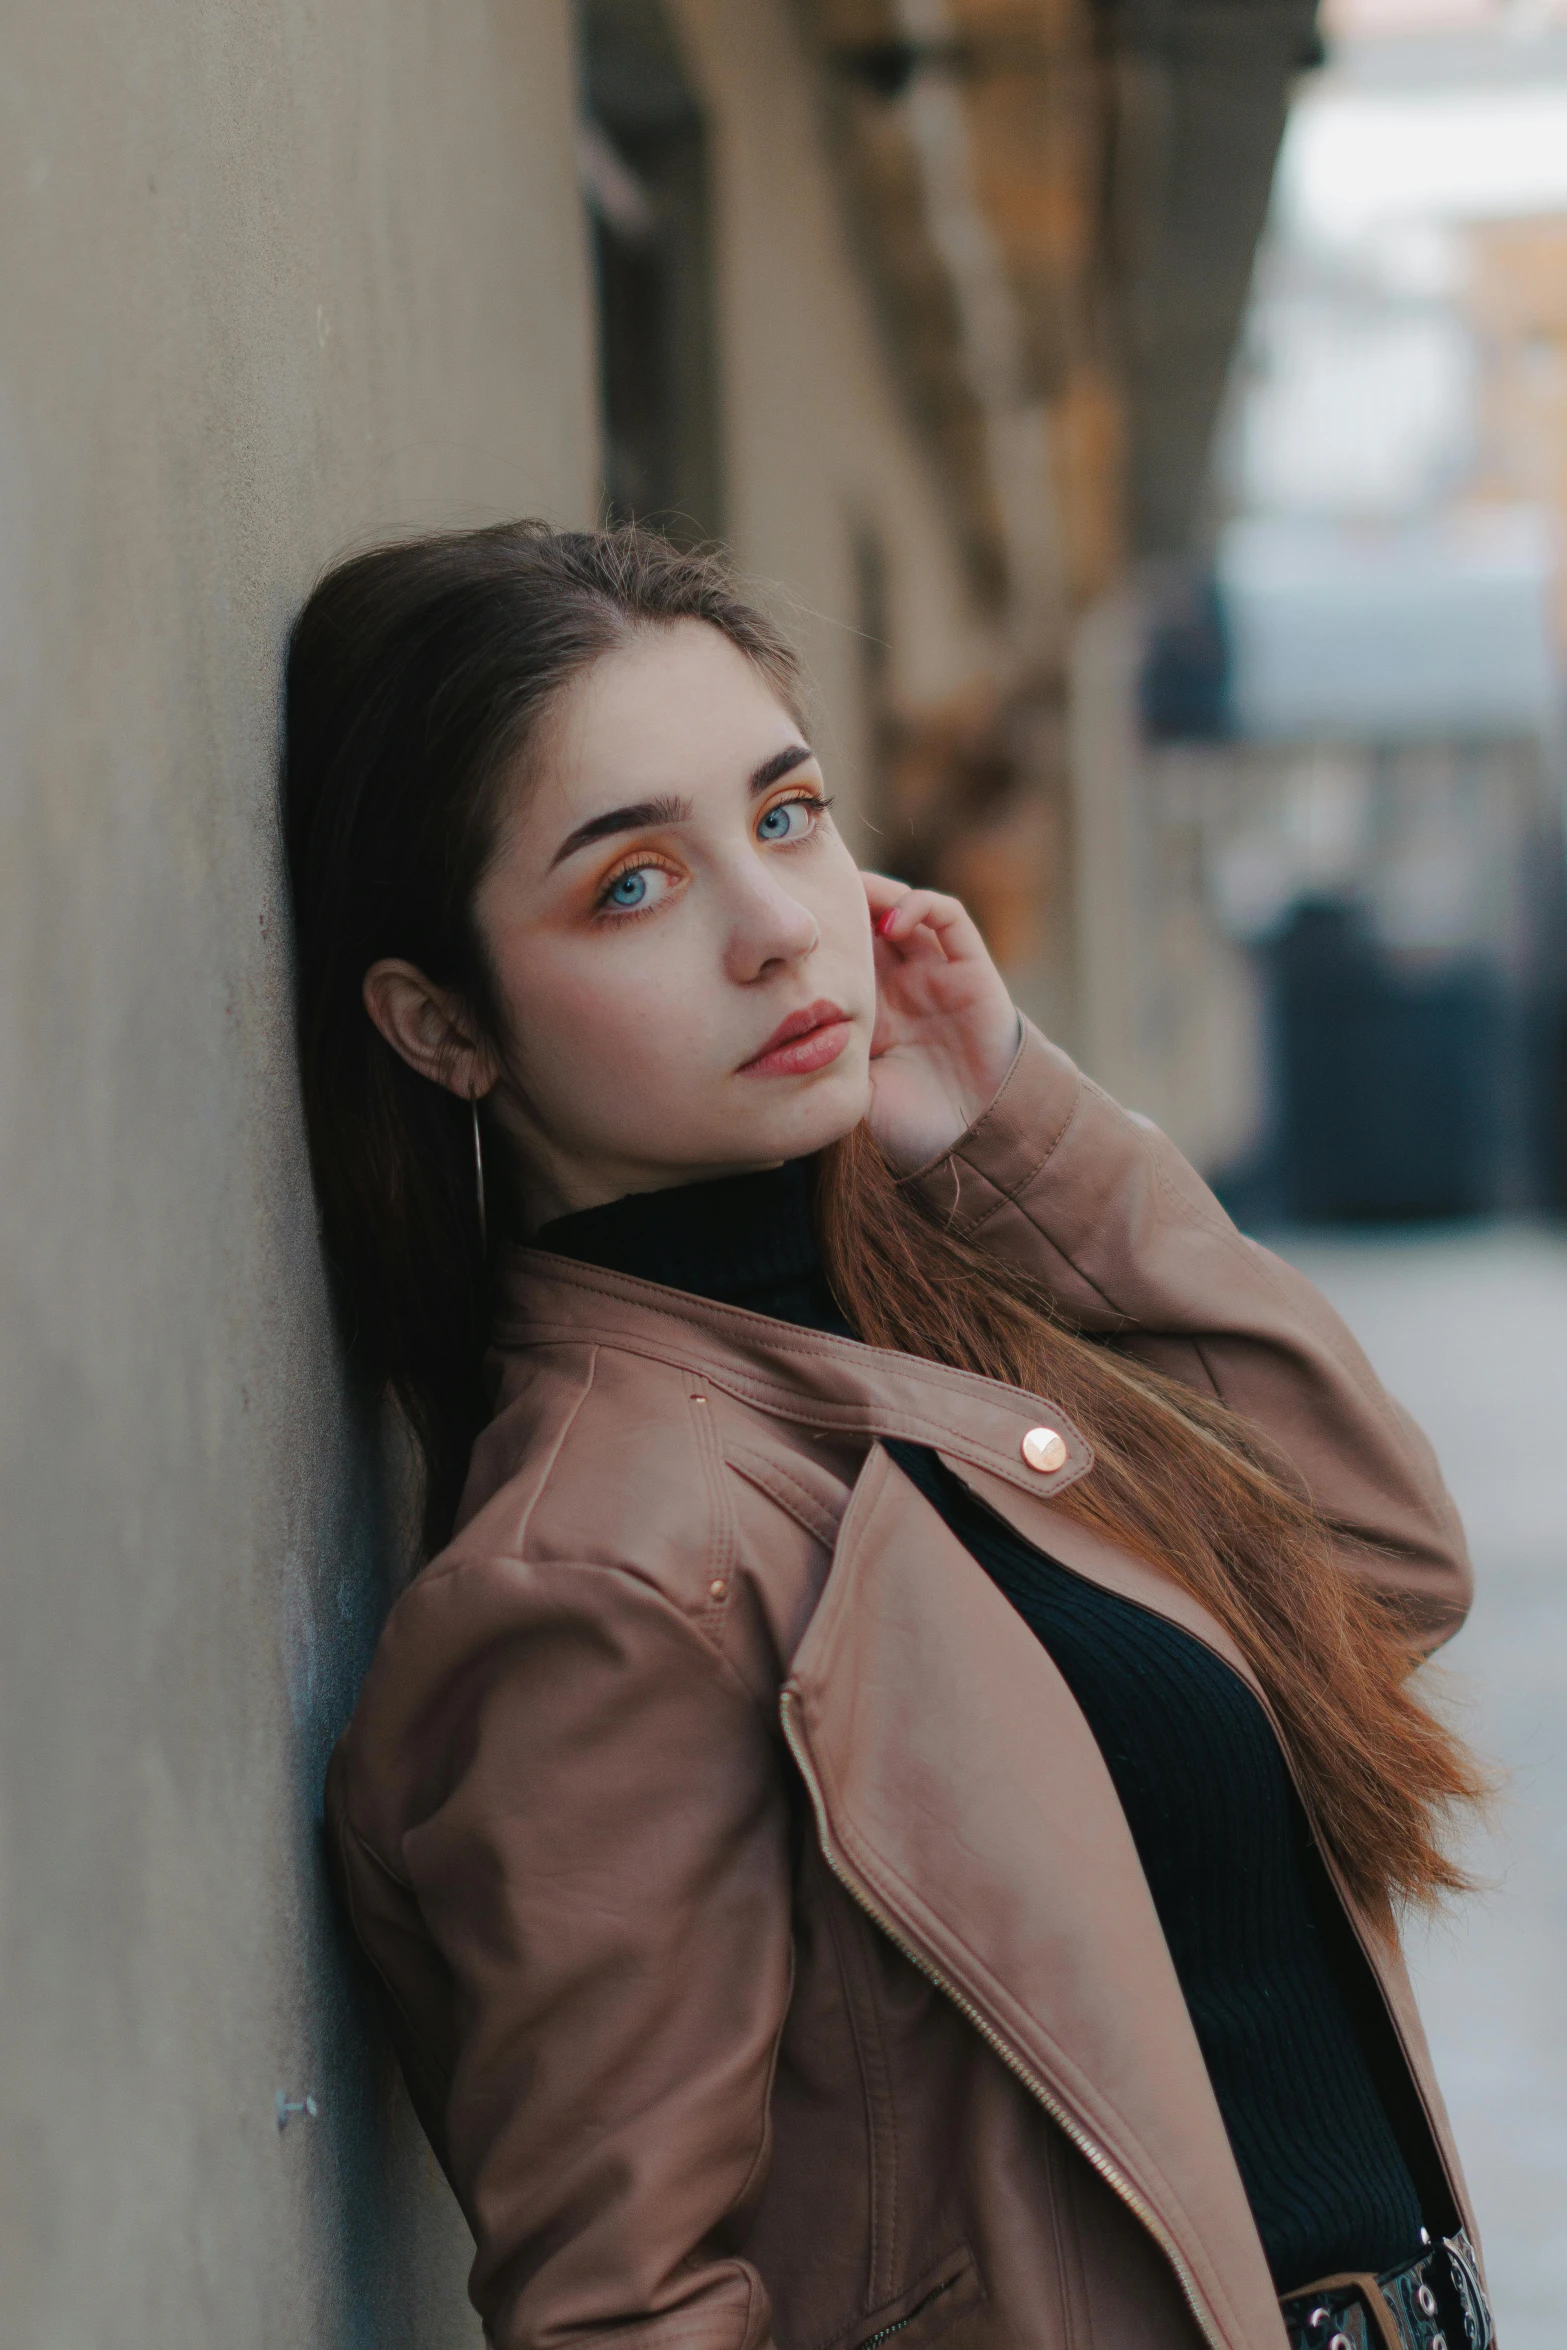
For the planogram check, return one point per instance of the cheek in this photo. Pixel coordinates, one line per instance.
(611, 1030)
(841, 911)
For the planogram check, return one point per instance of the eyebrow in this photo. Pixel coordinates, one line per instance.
(792, 755)
(628, 819)
(669, 810)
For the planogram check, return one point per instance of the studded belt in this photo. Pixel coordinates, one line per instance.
(1436, 2302)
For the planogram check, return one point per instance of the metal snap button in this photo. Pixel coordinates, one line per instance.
(1044, 1450)
(1341, 2342)
(1427, 2300)
(1318, 2317)
(1438, 2342)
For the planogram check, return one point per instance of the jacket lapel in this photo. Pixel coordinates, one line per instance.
(962, 1798)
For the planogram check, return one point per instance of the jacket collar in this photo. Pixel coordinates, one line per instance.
(820, 1381)
(804, 1376)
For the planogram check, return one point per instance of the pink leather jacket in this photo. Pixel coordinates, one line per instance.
(764, 1944)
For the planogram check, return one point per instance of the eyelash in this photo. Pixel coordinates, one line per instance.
(817, 802)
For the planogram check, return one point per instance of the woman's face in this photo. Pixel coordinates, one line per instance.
(680, 938)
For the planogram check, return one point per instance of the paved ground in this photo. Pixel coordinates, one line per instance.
(1470, 1331)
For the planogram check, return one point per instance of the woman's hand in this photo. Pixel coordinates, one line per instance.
(946, 1028)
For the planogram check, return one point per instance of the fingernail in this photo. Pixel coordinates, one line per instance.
(884, 921)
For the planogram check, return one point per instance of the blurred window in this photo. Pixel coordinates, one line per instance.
(643, 165)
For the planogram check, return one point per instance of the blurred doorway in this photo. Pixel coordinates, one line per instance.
(644, 168)
(1391, 1085)
(1405, 911)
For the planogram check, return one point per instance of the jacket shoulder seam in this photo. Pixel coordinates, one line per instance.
(520, 1535)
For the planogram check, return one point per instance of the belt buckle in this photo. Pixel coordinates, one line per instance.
(1479, 2327)
(1396, 2311)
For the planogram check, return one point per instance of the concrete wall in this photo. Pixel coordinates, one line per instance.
(271, 279)
(274, 281)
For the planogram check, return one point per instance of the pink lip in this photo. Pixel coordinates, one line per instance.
(806, 1041)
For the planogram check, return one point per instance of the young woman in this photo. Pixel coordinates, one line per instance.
(888, 1814)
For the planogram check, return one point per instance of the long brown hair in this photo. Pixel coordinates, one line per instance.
(417, 681)
(1186, 1485)
(418, 676)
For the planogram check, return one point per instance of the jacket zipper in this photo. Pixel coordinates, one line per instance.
(873, 2340)
(1094, 2155)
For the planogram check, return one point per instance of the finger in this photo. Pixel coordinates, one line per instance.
(918, 943)
(927, 915)
(881, 891)
(885, 897)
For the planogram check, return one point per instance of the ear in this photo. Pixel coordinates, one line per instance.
(429, 1027)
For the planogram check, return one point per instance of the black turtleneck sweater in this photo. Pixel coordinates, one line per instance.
(1314, 2092)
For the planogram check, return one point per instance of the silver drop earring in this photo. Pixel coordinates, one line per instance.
(478, 1176)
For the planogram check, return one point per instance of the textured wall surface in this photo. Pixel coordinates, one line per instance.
(272, 279)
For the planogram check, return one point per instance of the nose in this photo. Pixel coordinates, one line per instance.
(768, 928)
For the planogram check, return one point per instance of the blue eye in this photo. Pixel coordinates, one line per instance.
(638, 889)
(786, 820)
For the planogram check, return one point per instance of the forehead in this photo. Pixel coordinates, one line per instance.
(679, 708)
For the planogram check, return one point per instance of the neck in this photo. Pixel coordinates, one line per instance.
(747, 1240)
(545, 1181)
(573, 1191)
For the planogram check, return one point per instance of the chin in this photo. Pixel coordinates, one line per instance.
(831, 1108)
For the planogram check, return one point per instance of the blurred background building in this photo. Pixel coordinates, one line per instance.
(1239, 745)
(1174, 551)
(927, 308)
(1382, 833)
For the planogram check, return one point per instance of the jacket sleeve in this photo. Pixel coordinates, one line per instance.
(1059, 1183)
(600, 1858)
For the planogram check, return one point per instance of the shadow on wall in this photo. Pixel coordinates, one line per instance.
(390, 2233)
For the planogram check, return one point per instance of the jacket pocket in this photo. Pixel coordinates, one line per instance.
(923, 2311)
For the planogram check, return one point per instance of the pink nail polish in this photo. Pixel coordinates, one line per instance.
(884, 922)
